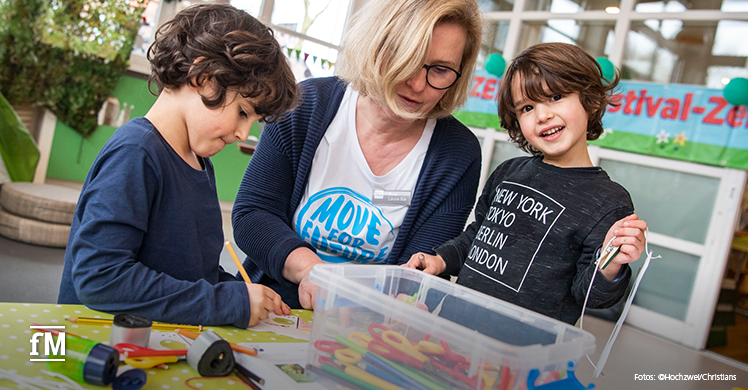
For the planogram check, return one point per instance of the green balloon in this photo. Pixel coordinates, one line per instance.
(736, 91)
(609, 71)
(496, 64)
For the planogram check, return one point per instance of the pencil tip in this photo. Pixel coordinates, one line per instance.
(74, 319)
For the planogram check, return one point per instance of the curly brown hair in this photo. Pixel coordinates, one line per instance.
(562, 68)
(226, 45)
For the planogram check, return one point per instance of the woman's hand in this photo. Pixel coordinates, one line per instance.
(296, 270)
(262, 301)
(429, 264)
(629, 237)
(307, 293)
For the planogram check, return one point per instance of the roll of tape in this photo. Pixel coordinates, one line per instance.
(130, 328)
(101, 365)
(210, 355)
(86, 361)
(130, 380)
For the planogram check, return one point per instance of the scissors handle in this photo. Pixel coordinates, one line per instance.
(430, 347)
(380, 348)
(403, 344)
(376, 330)
(348, 356)
(328, 346)
(150, 362)
(136, 351)
(455, 358)
(360, 339)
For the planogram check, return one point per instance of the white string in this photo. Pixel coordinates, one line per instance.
(589, 288)
(72, 383)
(37, 383)
(612, 339)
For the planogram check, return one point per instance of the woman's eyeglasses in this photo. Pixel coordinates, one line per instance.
(441, 77)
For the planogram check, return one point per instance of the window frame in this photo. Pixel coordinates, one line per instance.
(139, 63)
(622, 22)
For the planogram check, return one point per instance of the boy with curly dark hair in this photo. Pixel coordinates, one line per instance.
(147, 232)
(542, 221)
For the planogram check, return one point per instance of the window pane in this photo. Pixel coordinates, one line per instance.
(595, 37)
(308, 59)
(569, 6)
(251, 6)
(321, 19)
(718, 76)
(669, 282)
(684, 51)
(147, 28)
(494, 39)
(495, 5)
(503, 151)
(685, 5)
(672, 203)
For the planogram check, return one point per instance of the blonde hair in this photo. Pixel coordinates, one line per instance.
(388, 43)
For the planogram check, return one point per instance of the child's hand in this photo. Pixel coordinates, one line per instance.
(629, 237)
(433, 265)
(262, 301)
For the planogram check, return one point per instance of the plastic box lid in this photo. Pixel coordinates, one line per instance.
(482, 327)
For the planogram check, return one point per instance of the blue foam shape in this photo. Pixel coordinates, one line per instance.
(569, 383)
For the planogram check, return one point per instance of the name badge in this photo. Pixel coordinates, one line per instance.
(391, 198)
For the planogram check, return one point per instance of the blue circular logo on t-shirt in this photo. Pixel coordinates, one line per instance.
(345, 226)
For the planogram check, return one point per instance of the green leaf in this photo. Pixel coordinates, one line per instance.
(17, 147)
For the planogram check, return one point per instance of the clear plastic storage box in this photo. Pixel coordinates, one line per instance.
(395, 328)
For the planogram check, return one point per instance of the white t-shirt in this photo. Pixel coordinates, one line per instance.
(347, 213)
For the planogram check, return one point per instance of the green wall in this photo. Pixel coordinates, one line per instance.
(72, 155)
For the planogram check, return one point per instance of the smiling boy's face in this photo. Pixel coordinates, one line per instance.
(210, 130)
(556, 126)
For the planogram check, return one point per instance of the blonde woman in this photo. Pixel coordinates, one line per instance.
(371, 167)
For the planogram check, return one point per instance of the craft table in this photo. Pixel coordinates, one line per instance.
(15, 346)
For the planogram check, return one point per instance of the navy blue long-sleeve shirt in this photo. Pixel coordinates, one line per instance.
(147, 235)
(277, 175)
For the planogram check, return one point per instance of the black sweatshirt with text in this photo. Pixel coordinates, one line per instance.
(537, 231)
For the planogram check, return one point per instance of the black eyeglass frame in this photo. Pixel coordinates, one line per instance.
(428, 69)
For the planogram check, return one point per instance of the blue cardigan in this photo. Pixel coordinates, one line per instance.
(277, 176)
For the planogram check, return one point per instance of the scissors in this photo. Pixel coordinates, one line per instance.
(451, 375)
(344, 356)
(376, 330)
(385, 350)
(150, 362)
(360, 339)
(453, 359)
(328, 346)
(402, 344)
(136, 351)
(141, 357)
(348, 356)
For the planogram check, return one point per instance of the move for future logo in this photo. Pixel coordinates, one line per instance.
(345, 226)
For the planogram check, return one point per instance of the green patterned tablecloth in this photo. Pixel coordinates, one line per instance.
(15, 345)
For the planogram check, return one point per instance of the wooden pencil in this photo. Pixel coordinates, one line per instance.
(155, 325)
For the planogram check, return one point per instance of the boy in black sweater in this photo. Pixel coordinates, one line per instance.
(542, 221)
